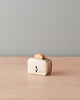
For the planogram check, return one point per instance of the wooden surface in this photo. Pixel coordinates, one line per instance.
(62, 84)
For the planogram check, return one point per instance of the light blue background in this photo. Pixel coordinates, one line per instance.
(51, 27)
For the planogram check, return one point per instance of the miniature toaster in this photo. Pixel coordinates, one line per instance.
(39, 65)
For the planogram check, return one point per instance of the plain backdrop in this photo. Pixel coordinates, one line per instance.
(51, 27)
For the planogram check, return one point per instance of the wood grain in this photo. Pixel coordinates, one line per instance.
(62, 84)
